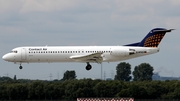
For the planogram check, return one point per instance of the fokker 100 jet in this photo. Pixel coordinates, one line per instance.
(87, 54)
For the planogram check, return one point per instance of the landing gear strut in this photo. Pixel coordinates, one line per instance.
(88, 67)
(20, 67)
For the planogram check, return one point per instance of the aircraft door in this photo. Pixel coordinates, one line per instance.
(23, 54)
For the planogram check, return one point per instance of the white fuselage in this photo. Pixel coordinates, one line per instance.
(69, 53)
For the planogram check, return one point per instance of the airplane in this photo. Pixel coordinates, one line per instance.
(87, 54)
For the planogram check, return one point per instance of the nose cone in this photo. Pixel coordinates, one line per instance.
(7, 57)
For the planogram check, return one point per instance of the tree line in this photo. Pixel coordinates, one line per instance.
(140, 86)
(72, 89)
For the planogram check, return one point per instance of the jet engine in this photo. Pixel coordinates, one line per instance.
(122, 52)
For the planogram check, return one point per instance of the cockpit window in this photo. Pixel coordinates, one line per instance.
(14, 51)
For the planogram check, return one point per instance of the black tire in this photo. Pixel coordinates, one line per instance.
(20, 67)
(88, 67)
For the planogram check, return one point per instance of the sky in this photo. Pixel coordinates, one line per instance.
(87, 23)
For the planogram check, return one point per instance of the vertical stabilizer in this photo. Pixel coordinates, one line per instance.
(153, 38)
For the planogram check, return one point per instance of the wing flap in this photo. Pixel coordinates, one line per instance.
(94, 57)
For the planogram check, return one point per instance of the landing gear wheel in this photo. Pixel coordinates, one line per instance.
(88, 67)
(20, 67)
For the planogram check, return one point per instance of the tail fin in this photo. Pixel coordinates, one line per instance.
(153, 38)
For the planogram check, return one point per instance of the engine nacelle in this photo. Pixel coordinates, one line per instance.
(122, 52)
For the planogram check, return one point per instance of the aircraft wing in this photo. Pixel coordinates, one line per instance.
(94, 57)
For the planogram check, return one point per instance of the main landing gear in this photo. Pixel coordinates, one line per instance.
(20, 67)
(88, 67)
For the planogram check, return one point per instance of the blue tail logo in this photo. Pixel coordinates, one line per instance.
(152, 39)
